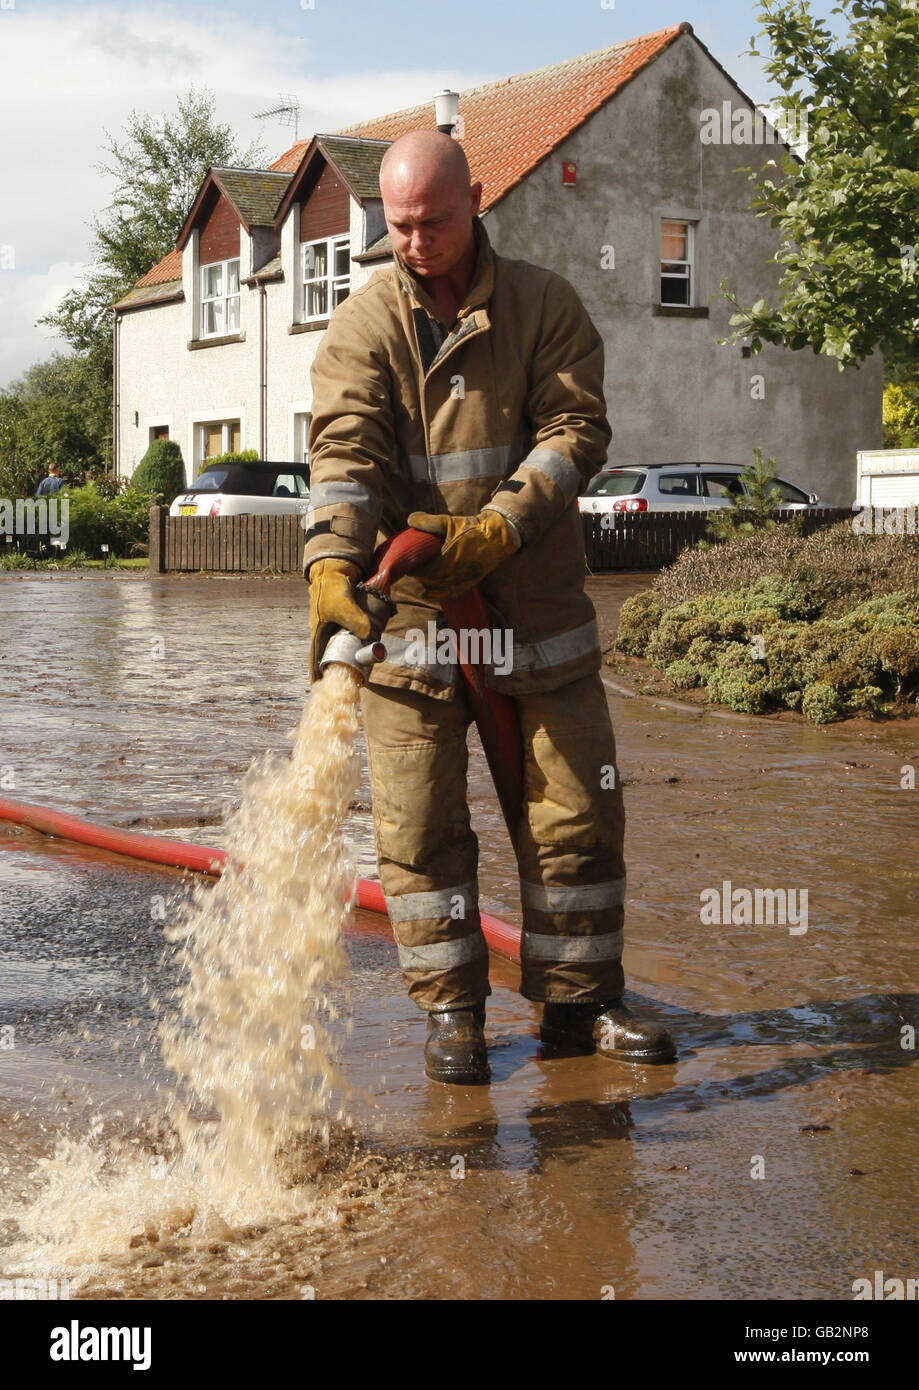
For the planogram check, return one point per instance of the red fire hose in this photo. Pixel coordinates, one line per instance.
(502, 938)
(495, 716)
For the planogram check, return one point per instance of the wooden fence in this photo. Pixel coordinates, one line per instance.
(648, 540)
(229, 544)
(234, 544)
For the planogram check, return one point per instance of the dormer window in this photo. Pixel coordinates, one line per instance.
(326, 276)
(220, 299)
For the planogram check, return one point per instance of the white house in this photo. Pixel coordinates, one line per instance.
(611, 168)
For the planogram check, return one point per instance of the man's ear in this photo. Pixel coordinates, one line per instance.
(475, 193)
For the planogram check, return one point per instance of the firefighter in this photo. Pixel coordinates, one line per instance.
(461, 392)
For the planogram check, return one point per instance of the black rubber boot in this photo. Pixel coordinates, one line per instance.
(610, 1029)
(455, 1051)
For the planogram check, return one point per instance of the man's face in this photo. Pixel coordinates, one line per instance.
(430, 224)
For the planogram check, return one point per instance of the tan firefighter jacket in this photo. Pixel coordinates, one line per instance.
(505, 410)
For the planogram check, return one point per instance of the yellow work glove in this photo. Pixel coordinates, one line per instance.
(473, 547)
(333, 605)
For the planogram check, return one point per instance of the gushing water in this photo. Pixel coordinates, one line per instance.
(249, 1039)
(261, 951)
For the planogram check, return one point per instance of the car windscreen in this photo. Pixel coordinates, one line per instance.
(210, 481)
(619, 484)
(248, 482)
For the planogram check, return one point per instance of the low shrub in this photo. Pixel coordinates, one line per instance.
(684, 674)
(820, 702)
(95, 520)
(637, 621)
(759, 649)
(15, 560)
(827, 573)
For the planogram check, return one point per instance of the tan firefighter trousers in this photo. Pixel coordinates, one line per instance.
(569, 844)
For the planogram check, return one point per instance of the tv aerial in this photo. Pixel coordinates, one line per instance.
(287, 112)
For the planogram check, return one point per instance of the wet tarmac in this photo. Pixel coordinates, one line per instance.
(775, 1159)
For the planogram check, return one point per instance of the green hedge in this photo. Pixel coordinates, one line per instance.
(120, 522)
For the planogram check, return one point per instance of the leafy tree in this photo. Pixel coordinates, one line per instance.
(901, 416)
(16, 472)
(157, 167)
(62, 409)
(849, 214)
(57, 412)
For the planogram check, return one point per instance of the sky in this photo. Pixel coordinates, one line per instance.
(71, 70)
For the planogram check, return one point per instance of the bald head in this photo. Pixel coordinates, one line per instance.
(429, 201)
(424, 158)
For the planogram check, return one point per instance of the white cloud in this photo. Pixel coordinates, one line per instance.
(67, 75)
(25, 295)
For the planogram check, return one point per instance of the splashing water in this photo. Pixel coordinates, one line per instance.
(249, 1040)
(262, 949)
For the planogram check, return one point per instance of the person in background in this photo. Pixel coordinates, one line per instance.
(51, 483)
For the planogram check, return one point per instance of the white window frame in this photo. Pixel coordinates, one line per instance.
(689, 263)
(330, 280)
(302, 420)
(224, 299)
(226, 438)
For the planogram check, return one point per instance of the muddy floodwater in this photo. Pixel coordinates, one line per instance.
(776, 1158)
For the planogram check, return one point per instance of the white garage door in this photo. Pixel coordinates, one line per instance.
(895, 490)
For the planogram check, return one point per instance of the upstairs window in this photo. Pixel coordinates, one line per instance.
(220, 299)
(326, 275)
(677, 285)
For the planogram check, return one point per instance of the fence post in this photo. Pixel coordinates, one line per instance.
(156, 549)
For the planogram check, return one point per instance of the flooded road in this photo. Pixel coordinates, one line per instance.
(775, 1159)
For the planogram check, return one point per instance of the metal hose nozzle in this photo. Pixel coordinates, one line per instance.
(345, 649)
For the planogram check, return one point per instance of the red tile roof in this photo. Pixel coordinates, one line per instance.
(509, 126)
(169, 268)
(289, 162)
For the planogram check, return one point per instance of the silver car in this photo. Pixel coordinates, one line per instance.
(678, 487)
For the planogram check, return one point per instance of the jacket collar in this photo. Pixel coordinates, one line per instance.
(480, 286)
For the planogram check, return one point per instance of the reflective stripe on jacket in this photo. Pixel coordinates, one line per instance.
(505, 410)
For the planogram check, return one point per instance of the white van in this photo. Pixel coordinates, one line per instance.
(887, 478)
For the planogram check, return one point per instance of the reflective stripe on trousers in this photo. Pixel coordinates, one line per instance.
(569, 844)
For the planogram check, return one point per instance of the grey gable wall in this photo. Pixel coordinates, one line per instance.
(672, 392)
